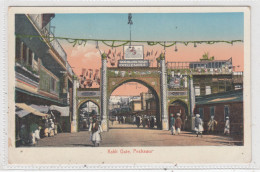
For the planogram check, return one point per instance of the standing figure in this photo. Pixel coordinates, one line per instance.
(227, 126)
(23, 134)
(143, 122)
(37, 133)
(95, 130)
(178, 123)
(172, 124)
(33, 128)
(138, 121)
(198, 125)
(51, 127)
(212, 124)
(148, 122)
(152, 122)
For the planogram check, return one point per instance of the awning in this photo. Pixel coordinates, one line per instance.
(28, 109)
(41, 108)
(64, 111)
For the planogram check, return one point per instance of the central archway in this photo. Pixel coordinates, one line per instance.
(151, 85)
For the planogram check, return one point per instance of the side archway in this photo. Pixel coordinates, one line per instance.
(84, 115)
(179, 106)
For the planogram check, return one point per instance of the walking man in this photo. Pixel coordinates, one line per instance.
(172, 124)
(198, 125)
(227, 126)
(95, 130)
(138, 121)
(212, 124)
(178, 123)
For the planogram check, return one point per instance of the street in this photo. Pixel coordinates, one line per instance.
(126, 135)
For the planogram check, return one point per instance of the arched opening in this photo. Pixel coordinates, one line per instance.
(178, 106)
(134, 103)
(86, 111)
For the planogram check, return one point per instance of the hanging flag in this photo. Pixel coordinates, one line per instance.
(112, 62)
(84, 71)
(155, 53)
(87, 73)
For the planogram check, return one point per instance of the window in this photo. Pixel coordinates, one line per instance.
(18, 49)
(197, 90)
(208, 90)
(212, 111)
(53, 84)
(148, 105)
(226, 111)
(24, 49)
(210, 65)
(201, 112)
(30, 56)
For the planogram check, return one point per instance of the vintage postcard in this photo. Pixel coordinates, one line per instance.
(124, 85)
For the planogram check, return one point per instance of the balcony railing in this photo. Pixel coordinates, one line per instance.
(37, 20)
(69, 69)
(26, 75)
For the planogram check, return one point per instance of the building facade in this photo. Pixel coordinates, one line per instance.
(222, 105)
(43, 75)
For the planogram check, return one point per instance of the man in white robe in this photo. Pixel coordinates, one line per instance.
(95, 130)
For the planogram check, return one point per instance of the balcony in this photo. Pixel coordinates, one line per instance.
(69, 69)
(27, 75)
(37, 20)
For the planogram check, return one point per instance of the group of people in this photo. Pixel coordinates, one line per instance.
(211, 125)
(36, 131)
(176, 123)
(145, 121)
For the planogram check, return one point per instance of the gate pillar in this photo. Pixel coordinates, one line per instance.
(104, 118)
(74, 123)
(164, 112)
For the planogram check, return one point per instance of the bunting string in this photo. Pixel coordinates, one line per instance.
(119, 43)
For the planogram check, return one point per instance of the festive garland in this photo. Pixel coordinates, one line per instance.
(76, 41)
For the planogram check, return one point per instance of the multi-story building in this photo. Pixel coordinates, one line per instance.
(136, 105)
(43, 75)
(144, 97)
(188, 80)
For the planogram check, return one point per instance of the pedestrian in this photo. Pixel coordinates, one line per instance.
(95, 130)
(37, 133)
(198, 125)
(144, 122)
(227, 126)
(138, 121)
(152, 122)
(148, 122)
(23, 135)
(212, 124)
(112, 120)
(51, 127)
(178, 123)
(172, 124)
(33, 128)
